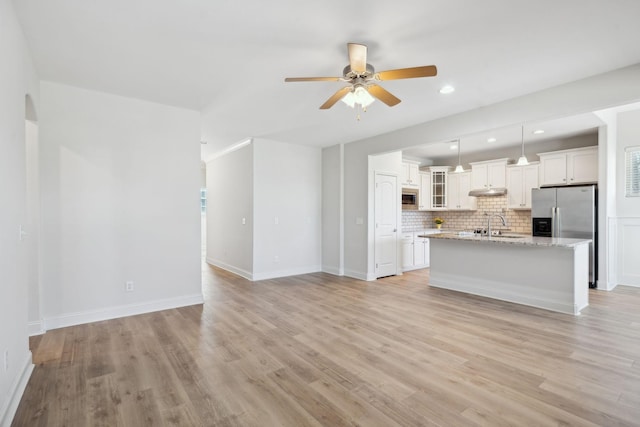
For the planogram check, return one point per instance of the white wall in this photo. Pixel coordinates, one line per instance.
(229, 201)
(276, 188)
(287, 209)
(120, 181)
(332, 210)
(17, 78)
(594, 93)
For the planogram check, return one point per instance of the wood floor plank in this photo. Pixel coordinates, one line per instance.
(321, 350)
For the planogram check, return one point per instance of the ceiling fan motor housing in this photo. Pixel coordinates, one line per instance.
(349, 74)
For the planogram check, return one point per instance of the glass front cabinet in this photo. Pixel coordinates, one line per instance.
(438, 187)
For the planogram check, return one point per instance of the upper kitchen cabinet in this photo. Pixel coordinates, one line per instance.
(410, 175)
(438, 184)
(458, 187)
(520, 181)
(489, 174)
(424, 195)
(569, 167)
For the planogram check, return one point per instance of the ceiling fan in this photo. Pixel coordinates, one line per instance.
(362, 79)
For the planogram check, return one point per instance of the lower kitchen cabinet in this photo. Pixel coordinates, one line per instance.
(421, 252)
(415, 251)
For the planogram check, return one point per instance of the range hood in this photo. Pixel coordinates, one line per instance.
(488, 192)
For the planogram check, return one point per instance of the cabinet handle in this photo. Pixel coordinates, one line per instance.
(564, 179)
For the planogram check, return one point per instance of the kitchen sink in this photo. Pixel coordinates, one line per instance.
(509, 236)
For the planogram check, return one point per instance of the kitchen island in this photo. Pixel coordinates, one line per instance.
(545, 272)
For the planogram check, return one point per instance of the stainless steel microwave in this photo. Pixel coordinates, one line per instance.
(409, 199)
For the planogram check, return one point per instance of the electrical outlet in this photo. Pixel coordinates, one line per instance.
(6, 360)
(128, 286)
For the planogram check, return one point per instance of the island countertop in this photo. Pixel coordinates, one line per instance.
(511, 239)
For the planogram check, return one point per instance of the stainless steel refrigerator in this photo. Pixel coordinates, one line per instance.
(568, 212)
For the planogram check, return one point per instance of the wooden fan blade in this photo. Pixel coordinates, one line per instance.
(335, 98)
(408, 73)
(357, 57)
(383, 95)
(313, 79)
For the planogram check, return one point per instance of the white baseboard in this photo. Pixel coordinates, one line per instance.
(36, 328)
(332, 270)
(71, 319)
(235, 270)
(285, 273)
(357, 275)
(15, 393)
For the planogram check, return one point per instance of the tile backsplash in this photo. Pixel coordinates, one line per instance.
(417, 220)
(517, 221)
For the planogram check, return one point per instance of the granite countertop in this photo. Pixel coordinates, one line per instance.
(512, 239)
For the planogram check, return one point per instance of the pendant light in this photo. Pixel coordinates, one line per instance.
(459, 168)
(522, 161)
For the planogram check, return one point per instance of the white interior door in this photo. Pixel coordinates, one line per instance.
(386, 224)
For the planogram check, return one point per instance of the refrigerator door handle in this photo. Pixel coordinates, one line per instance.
(554, 225)
(558, 231)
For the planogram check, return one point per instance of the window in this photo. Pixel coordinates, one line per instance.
(203, 200)
(632, 171)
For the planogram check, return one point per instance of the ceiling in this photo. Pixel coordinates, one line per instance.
(502, 138)
(228, 59)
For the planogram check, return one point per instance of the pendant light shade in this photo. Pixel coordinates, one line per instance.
(522, 161)
(459, 168)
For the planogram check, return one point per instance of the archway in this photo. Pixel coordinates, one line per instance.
(31, 233)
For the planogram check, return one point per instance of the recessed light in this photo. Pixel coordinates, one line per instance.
(538, 131)
(447, 89)
(492, 139)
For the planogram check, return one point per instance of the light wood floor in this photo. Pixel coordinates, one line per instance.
(323, 350)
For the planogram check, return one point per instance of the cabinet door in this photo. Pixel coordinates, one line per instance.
(421, 252)
(553, 169)
(407, 251)
(530, 181)
(465, 201)
(582, 167)
(424, 194)
(515, 187)
(418, 252)
(496, 175)
(414, 175)
(405, 174)
(453, 199)
(479, 176)
(438, 190)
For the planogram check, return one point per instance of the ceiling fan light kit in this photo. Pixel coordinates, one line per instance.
(362, 78)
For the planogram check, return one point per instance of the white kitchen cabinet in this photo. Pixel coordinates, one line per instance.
(489, 174)
(520, 181)
(415, 251)
(424, 195)
(410, 175)
(458, 187)
(568, 167)
(407, 251)
(438, 184)
(420, 251)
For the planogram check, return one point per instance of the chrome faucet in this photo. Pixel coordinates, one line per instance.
(504, 222)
